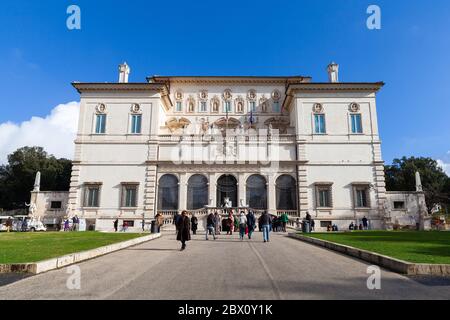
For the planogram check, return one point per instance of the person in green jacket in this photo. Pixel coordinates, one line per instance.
(284, 221)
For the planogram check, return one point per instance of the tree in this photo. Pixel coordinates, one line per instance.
(17, 177)
(400, 176)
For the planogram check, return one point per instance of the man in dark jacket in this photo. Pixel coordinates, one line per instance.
(251, 223)
(194, 224)
(183, 229)
(266, 221)
(116, 225)
(211, 225)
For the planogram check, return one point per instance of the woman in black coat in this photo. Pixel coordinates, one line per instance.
(194, 224)
(184, 229)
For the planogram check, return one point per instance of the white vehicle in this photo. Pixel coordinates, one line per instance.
(25, 223)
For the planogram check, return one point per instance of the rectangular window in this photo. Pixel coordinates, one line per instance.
(325, 224)
(178, 106)
(129, 195)
(136, 123)
(227, 106)
(203, 106)
(362, 197)
(399, 205)
(129, 223)
(252, 106)
(319, 124)
(276, 106)
(92, 196)
(100, 124)
(56, 205)
(323, 194)
(356, 123)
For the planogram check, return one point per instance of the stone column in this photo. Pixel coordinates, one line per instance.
(183, 192)
(271, 195)
(150, 190)
(212, 190)
(242, 190)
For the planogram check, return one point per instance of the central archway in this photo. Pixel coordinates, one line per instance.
(227, 188)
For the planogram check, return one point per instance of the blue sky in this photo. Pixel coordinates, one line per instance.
(40, 56)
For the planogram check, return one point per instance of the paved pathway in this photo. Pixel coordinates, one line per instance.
(224, 269)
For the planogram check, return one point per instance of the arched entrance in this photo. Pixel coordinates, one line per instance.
(286, 193)
(257, 192)
(197, 192)
(227, 188)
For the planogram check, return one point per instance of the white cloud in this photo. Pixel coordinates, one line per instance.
(55, 133)
(445, 166)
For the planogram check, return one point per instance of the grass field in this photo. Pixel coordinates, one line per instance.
(36, 246)
(418, 247)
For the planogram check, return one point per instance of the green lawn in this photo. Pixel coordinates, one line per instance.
(411, 246)
(37, 246)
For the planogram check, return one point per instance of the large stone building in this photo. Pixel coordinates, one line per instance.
(282, 144)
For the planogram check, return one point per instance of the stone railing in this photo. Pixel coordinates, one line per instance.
(232, 138)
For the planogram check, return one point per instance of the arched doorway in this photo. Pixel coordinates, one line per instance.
(168, 193)
(227, 188)
(257, 192)
(197, 192)
(286, 193)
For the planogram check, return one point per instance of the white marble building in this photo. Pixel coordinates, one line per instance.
(282, 144)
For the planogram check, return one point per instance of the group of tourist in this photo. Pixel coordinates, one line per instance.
(75, 224)
(362, 226)
(243, 223)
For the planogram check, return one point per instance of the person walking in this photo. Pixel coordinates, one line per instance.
(176, 219)
(313, 225)
(124, 226)
(159, 221)
(183, 229)
(116, 224)
(9, 225)
(266, 220)
(251, 223)
(242, 225)
(194, 224)
(230, 224)
(365, 223)
(218, 222)
(67, 225)
(210, 226)
(75, 222)
(284, 220)
(236, 223)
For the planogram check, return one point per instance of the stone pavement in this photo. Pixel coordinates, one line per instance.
(226, 268)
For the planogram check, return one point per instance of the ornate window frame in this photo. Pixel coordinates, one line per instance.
(215, 102)
(323, 186)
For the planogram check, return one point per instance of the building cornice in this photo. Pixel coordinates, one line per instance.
(294, 88)
(94, 86)
(219, 80)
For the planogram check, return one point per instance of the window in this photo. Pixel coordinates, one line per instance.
(129, 223)
(227, 106)
(168, 192)
(56, 205)
(319, 124)
(257, 192)
(324, 195)
(361, 194)
(203, 106)
(325, 224)
(356, 123)
(286, 190)
(252, 105)
(178, 106)
(399, 205)
(136, 123)
(92, 195)
(197, 192)
(276, 106)
(129, 195)
(100, 124)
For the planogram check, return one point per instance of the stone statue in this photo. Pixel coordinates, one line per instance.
(32, 208)
(228, 203)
